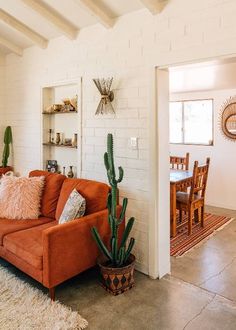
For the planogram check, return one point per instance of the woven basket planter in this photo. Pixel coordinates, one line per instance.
(117, 280)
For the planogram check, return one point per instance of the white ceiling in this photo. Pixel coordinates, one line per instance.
(72, 10)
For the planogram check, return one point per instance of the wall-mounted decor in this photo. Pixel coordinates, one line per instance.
(228, 118)
(107, 96)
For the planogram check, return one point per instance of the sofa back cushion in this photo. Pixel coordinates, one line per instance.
(95, 194)
(51, 192)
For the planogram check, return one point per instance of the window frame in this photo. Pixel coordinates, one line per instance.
(182, 101)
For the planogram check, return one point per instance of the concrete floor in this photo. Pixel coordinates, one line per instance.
(212, 265)
(200, 293)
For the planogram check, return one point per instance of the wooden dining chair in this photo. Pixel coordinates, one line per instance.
(194, 201)
(179, 163)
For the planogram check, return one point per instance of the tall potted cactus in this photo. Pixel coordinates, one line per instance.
(6, 151)
(117, 263)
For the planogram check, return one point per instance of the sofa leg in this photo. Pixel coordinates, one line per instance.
(52, 293)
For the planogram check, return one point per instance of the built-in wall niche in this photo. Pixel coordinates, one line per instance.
(61, 127)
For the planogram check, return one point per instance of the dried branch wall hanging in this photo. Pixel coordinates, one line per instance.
(107, 96)
(228, 119)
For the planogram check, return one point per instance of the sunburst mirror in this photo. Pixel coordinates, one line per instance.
(228, 118)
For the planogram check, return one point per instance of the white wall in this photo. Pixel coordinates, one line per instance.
(221, 190)
(186, 30)
(2, 103)
(213, 75)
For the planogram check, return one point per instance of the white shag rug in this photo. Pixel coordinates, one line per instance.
(23, 307)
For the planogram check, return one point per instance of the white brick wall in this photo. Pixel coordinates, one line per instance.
(2, 103)
(185, 31)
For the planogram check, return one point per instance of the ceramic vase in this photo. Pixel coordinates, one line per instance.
(75, 140)
(70, 174)
(58, 138)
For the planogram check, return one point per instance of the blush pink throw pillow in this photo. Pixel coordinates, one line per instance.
(20, 197)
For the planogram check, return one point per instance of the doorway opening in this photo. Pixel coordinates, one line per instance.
(187, 90)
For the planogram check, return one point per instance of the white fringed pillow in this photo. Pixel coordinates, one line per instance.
(20, 197)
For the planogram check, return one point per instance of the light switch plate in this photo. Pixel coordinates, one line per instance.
(134, 143)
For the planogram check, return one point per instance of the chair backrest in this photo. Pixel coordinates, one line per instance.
(179, 163)
(200, 174)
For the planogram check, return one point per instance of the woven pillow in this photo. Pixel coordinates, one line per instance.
(20, 197)
(74, 207)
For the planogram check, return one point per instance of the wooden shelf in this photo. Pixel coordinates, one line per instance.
(58, 113)
(58, 145)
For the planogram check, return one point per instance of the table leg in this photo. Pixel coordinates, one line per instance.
(173, 209)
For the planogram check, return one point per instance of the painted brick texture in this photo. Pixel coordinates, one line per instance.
(185, 31)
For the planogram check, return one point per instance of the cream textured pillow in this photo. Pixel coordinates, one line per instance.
(20, 197)
(74, 207)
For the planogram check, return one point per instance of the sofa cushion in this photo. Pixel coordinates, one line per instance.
(8, 226)
(51, 192)
(95, 194)
(27, 244)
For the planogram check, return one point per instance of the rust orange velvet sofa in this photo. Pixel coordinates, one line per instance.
(50, 252)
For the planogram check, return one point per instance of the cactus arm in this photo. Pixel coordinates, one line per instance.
(109, 201)
(111, 222)
(113, 225)
(100, 243)
(8, 135)
(127, 232)
(130, 247)
(114, 201)
(122, 214)
(5, 155)
(7, 142)
(121, 174)
(114, 249)
(121, 256)
(106, 161)
(110, 154)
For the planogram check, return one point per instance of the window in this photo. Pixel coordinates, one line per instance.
(191, 122)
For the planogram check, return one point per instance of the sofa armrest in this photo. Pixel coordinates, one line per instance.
(70, 248)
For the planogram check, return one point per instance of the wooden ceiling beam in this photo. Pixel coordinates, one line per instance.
(154, 6)
(24, 29)
(11, 46)
(95, 10)
(62, 24)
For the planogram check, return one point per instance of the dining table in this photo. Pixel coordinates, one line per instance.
(179, 179)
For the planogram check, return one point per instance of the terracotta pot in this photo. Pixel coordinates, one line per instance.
(4, 170)
(117, 280)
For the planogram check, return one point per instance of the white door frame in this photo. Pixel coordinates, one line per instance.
(159, 254)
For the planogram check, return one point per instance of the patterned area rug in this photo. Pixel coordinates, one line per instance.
(23, 307)
(183, 243)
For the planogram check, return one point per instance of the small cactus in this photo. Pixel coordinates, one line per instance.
(7, 142)
(117, 255)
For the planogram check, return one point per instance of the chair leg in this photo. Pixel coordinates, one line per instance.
(199, 214)
(52, 293)
(190, 220)
(180, 215)
(196, 219)
(202, 218)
